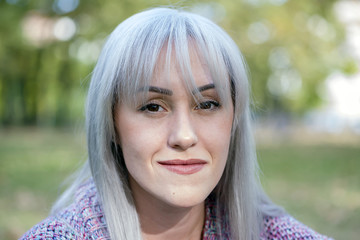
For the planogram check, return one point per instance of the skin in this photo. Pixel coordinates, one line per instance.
(172, 125)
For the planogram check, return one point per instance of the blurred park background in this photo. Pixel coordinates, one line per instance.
(303, 58)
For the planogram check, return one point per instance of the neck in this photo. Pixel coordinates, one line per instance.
(161, 221)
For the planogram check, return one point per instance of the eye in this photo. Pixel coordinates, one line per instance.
(151, 107)
(208, 105)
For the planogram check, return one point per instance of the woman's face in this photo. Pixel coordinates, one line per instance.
(175, 148)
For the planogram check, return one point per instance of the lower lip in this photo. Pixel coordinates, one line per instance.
(185, 169)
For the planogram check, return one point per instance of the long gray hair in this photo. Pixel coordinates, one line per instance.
(127, 61)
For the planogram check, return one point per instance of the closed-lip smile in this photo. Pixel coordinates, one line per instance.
(184, 167)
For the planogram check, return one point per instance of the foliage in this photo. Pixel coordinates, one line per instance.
(290, 47)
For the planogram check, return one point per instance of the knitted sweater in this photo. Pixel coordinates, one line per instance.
(84, 219)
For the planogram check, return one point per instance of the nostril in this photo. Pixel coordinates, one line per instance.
(182, 138)
(183, 132)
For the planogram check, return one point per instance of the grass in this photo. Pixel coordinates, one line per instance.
(317, 184)
(33, 163)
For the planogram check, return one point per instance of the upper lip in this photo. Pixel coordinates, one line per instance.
(182, 162)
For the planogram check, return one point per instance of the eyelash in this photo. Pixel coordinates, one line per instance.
(146, 107)
(209, 105)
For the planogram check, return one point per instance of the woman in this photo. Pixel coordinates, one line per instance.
(171, 154)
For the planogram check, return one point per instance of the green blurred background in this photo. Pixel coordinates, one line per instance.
(297, 51)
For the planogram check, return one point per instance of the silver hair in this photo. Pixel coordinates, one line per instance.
(127, 62)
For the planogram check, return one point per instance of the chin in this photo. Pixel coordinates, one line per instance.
(186, 201)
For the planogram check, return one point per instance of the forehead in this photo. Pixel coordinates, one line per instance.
(176, 69)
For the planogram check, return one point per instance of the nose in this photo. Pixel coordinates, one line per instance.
(182, 132)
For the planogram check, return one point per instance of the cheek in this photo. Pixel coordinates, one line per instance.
(216, 137)
(139, 141)
(135, 150)
(219, 130)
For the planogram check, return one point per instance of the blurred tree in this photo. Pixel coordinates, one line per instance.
(48, 48)
(290, 46)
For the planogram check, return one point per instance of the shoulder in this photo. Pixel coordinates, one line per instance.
(82, 219)
(286, 227)
(51, 228)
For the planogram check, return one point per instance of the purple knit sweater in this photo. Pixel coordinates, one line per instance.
(84, 219)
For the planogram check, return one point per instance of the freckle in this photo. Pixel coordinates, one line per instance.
(173, 193)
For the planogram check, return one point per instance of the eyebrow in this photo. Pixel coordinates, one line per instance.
(157, 90)
(205, 87)
(169, 92)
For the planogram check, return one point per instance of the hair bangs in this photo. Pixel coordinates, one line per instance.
(172, 36)
(138, 61)
(190, 36)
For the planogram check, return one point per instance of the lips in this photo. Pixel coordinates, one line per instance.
(183, 167)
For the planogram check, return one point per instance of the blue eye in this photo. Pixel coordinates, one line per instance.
(151, 107)
(208, 105)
